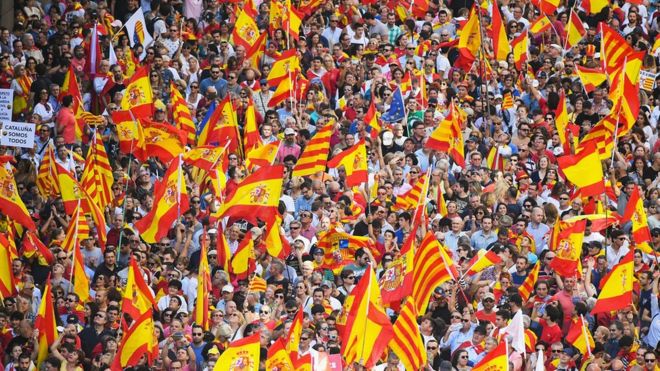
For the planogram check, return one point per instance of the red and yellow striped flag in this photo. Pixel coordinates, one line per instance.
(45, 323)
(407, 341)
(97, 176)
(616, 287)
(170, 201)
(276, 244)
(7, 280)
(411, 199)
(431, 268)
(507, 100)
(80, 279)
(47, 176)
(77, 231)
(354, 161)
(182, 115)
(315, 156)
(482, 260)
(525, 290)
(257, 284)
(448, 136)
(11, 203)
(201, 317)
(591, 77)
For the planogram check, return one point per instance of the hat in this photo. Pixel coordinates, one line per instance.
(489, 295)
(212, 231)
(72, 319)
(213, 252)
(542, 75)
(289, 131)
(263, 81)
(213, 350)
(256, 232)
(569, 351)
(388, 138)
(327, 284)
(521, 174)
(468, 111)
(228, 288)
(308, 265)
(472, 139)
(555, 46)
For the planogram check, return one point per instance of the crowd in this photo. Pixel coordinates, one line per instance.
(352, 54)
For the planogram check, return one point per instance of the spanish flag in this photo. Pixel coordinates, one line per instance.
(80, 279)
(546, 6)
(201, 316)
(45, 323)
(221, 126)
(278, 358)
(262, 155)
(366, 328)
(448, 136)
(245, 31)
(407, 340)
(241, 354)
(164, 142)
(482, 260)
(138, 96)
(7, 280)
(315, 156)
(584, 170)
(170, 201)
(11, 203)
(616, 287)
(251, 136)
(137, 342)
(520, 45)
(624, 91)
(568, 248)
(562, 123)
(293, 337)
(575, 31)
(525, 290)
(540, 25)
(396, 281)
(288, 63)
(137, 298)
(292, 19)
(594, 6)
(371, 120)
(256, 195)
(501, 45)
(591, 77)
(243, 261)
(131, 134)
(469, 41)
(204, 157)
(339, 248)
(222, 247)
(495, 360)
(431, 268)
(354, 161)
(580, 337)
(637, 215)
(276, 244)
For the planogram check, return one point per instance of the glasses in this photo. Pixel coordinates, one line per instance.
(464, 357)
(279, 296)
(232, 76)
(264, 312)
(466, 320)
(414, 172)
(350, 278)
(195, 201)
(198, 334)
(304, 338)
(99, 315)
(649, 360)
(556, 351)
(564, 198)
(431, 348)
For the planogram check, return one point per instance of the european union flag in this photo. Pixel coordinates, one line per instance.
(397, 111)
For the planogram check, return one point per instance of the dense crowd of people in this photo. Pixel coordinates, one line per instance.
(352, 53)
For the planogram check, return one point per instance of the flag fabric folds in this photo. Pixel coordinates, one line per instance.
(80, 279)
(540, 24)
(136, 27)
(354, 161)
(501, 45)
(407, 340)
(520, 45)
(580, 337)
(616, 287)
(575, 30)
(482, 260)
(138, 96)
(11, 203)
(495, 360)
(45, 323)
(137, 298)
(137, 342)
(315, 156)
(584, 170)
(201, 316)
(448, 136)
(637, 215)
(397, 110)
(525, 290)
(432, 267)
(257, 195)
(241, 354)
(567, 246)
(591, 77)
(170, 201)
(97, 176)
(7, 280)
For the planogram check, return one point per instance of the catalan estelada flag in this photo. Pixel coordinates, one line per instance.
(7, 280)
(243, 354)
(354, 161)
(170, 202)
(137, 298)
(495, 360)
(137, 342)
(584, 170)
(138, 96)
(525, 290)
(45, 323)
(448, 137)
(182, 114)
(257, 195)
(616, 287)
(315, 156)
(366, 327)
(11, 203)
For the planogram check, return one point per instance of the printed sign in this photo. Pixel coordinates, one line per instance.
(6, 104)
(17, 134)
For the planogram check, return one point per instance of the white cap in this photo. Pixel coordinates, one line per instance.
(289, 131)
(228, 288)
(388, 138)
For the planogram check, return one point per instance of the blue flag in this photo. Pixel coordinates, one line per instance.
(397, 111)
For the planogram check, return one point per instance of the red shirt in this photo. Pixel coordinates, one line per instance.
(551, 333)
(483, 316)
(67, 121)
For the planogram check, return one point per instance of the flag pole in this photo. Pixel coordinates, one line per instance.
(481, 59)
(75, 242)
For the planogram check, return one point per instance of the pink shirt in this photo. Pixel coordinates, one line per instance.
(66, 125)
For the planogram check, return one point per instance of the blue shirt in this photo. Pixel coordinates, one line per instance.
(538, 233)
(220, 86)
(480, 240)
(303, 204)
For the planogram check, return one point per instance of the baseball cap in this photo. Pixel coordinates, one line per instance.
(289, 131)
(228, 288)
(388, 138)
(489, 295)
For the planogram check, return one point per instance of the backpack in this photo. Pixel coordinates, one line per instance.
(151, 23)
